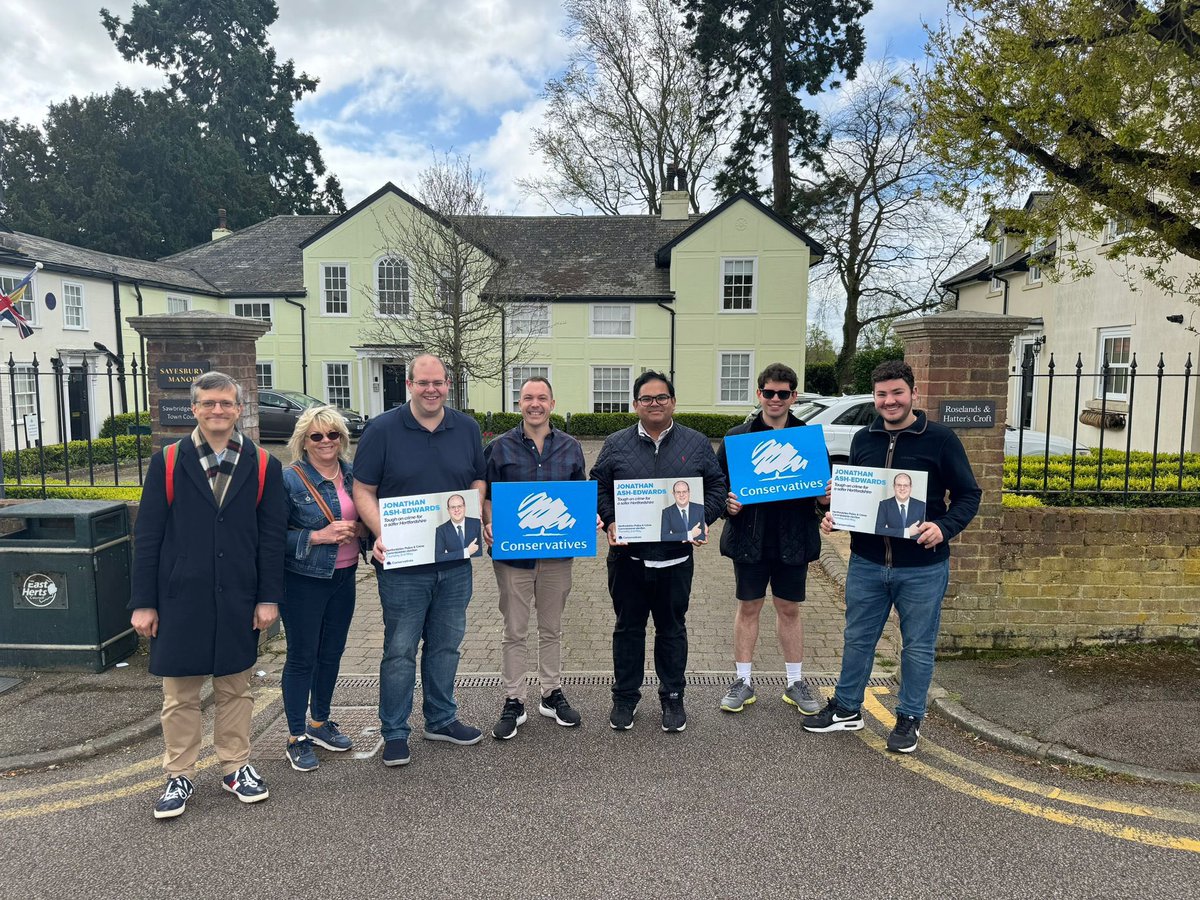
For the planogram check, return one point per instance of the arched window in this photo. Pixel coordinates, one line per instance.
(391, 287)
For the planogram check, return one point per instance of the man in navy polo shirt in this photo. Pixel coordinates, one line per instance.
(420, 448)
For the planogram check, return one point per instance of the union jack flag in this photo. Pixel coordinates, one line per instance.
(8, 304)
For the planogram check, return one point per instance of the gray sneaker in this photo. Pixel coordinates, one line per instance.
(800, 696)
(739, 697)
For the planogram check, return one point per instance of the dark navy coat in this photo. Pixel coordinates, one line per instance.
(205, 569)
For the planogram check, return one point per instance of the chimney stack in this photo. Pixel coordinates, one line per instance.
(222, 230)
(675, 198)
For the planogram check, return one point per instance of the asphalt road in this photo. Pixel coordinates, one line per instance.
(745, 806)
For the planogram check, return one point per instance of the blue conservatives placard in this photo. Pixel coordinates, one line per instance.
(543, 519)
(780, 464)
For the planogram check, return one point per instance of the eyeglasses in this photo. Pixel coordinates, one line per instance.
(218, 404)
(650, 401)
(770, 394)
(430, 384)
(317, 437)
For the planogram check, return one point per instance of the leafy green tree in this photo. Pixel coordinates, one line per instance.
(129, 173)
(760, 56)
(218, 60)
(627, 107)
(1094, 99)
(818, 346)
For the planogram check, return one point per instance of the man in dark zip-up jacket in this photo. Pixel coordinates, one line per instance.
(653, 578)
(910, 575)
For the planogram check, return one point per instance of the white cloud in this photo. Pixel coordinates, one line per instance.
(506, 157)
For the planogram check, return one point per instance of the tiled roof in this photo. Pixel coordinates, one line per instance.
(578, 256)
(262, 259)
(66, 257)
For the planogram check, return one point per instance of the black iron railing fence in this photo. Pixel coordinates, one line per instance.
(1138, 452)
(52, 426)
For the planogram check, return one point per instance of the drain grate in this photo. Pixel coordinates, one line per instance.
(699, 679)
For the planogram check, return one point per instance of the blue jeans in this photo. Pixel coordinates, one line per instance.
(429, 606)
(871, 592)
(316, 618)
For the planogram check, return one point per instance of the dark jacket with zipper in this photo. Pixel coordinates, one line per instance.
(682, 453)
(799, 535)
(928, 447)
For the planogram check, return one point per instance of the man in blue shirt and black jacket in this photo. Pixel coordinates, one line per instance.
(653, 578)
(911, 575)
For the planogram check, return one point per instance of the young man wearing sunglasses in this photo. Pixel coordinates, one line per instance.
(770, 544)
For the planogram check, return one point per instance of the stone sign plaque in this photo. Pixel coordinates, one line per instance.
(175, 376)
(968, 413)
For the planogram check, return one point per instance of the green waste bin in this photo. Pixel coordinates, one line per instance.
(68, 565)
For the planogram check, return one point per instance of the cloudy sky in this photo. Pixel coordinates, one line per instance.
(400, 79)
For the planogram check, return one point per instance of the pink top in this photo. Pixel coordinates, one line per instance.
(347, 553)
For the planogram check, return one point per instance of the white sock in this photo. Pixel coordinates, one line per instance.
(743, 670)
(793, 671)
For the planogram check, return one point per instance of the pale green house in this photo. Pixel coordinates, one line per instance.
(708, 299)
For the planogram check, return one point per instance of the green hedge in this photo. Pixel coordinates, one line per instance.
(60, 490)
(864, 363)
(102, 454)
(599, 424)
(821, 378)
(119, 424)
(1144, 471)
(713, 425)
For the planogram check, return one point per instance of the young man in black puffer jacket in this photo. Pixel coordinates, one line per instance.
(653, 578)
(770, 543)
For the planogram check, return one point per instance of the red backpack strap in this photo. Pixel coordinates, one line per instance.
(262, 473)
(170, 452)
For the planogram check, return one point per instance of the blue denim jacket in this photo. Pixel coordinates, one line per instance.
(305, 517)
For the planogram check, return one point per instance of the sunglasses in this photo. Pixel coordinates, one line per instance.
(771, 394)
(331, 435)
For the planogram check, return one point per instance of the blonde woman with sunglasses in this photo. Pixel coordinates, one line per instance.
(323, 546)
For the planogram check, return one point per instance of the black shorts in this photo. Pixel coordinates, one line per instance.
(787, 582)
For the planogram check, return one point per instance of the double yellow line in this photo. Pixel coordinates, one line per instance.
(261, 702)
(1075, 820)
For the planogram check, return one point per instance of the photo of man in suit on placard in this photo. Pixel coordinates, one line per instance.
(683, 520)
(460, 537)
(901, 515)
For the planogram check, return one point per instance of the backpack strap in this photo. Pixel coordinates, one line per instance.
(313, 491)
(262, 473)
(170, 453)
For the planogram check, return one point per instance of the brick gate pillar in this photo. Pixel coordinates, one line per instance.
(181, 346)
(965, 356)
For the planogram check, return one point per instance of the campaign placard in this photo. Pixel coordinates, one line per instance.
(782, 464)
(426, 528)
(660, 509)
(543, 519)
(889, 502)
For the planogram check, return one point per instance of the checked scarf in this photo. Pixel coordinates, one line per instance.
(219, 472)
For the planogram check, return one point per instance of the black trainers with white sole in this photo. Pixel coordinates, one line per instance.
(833, 718)
(904, 736)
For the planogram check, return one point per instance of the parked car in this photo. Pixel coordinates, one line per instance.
(279, 410)
(842, 417)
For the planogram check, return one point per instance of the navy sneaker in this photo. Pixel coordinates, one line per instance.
(174, 799)
(301, 755)
(833, 718)
(621, 717)
(329, 737)
(456, 733)
(511, 716)
(395, 752)
(555, 706)
(903, 738)
(674, 718)
(247, 784)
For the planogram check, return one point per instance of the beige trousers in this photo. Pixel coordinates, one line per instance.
(543, 588)
(181, 723)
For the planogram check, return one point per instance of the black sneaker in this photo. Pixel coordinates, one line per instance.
(555, 706)
(395, 752)
(174, 799)
(621, 717)
(833, 718)
(511, 716)
(673, 716)
(246, 784)
(903, 738)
